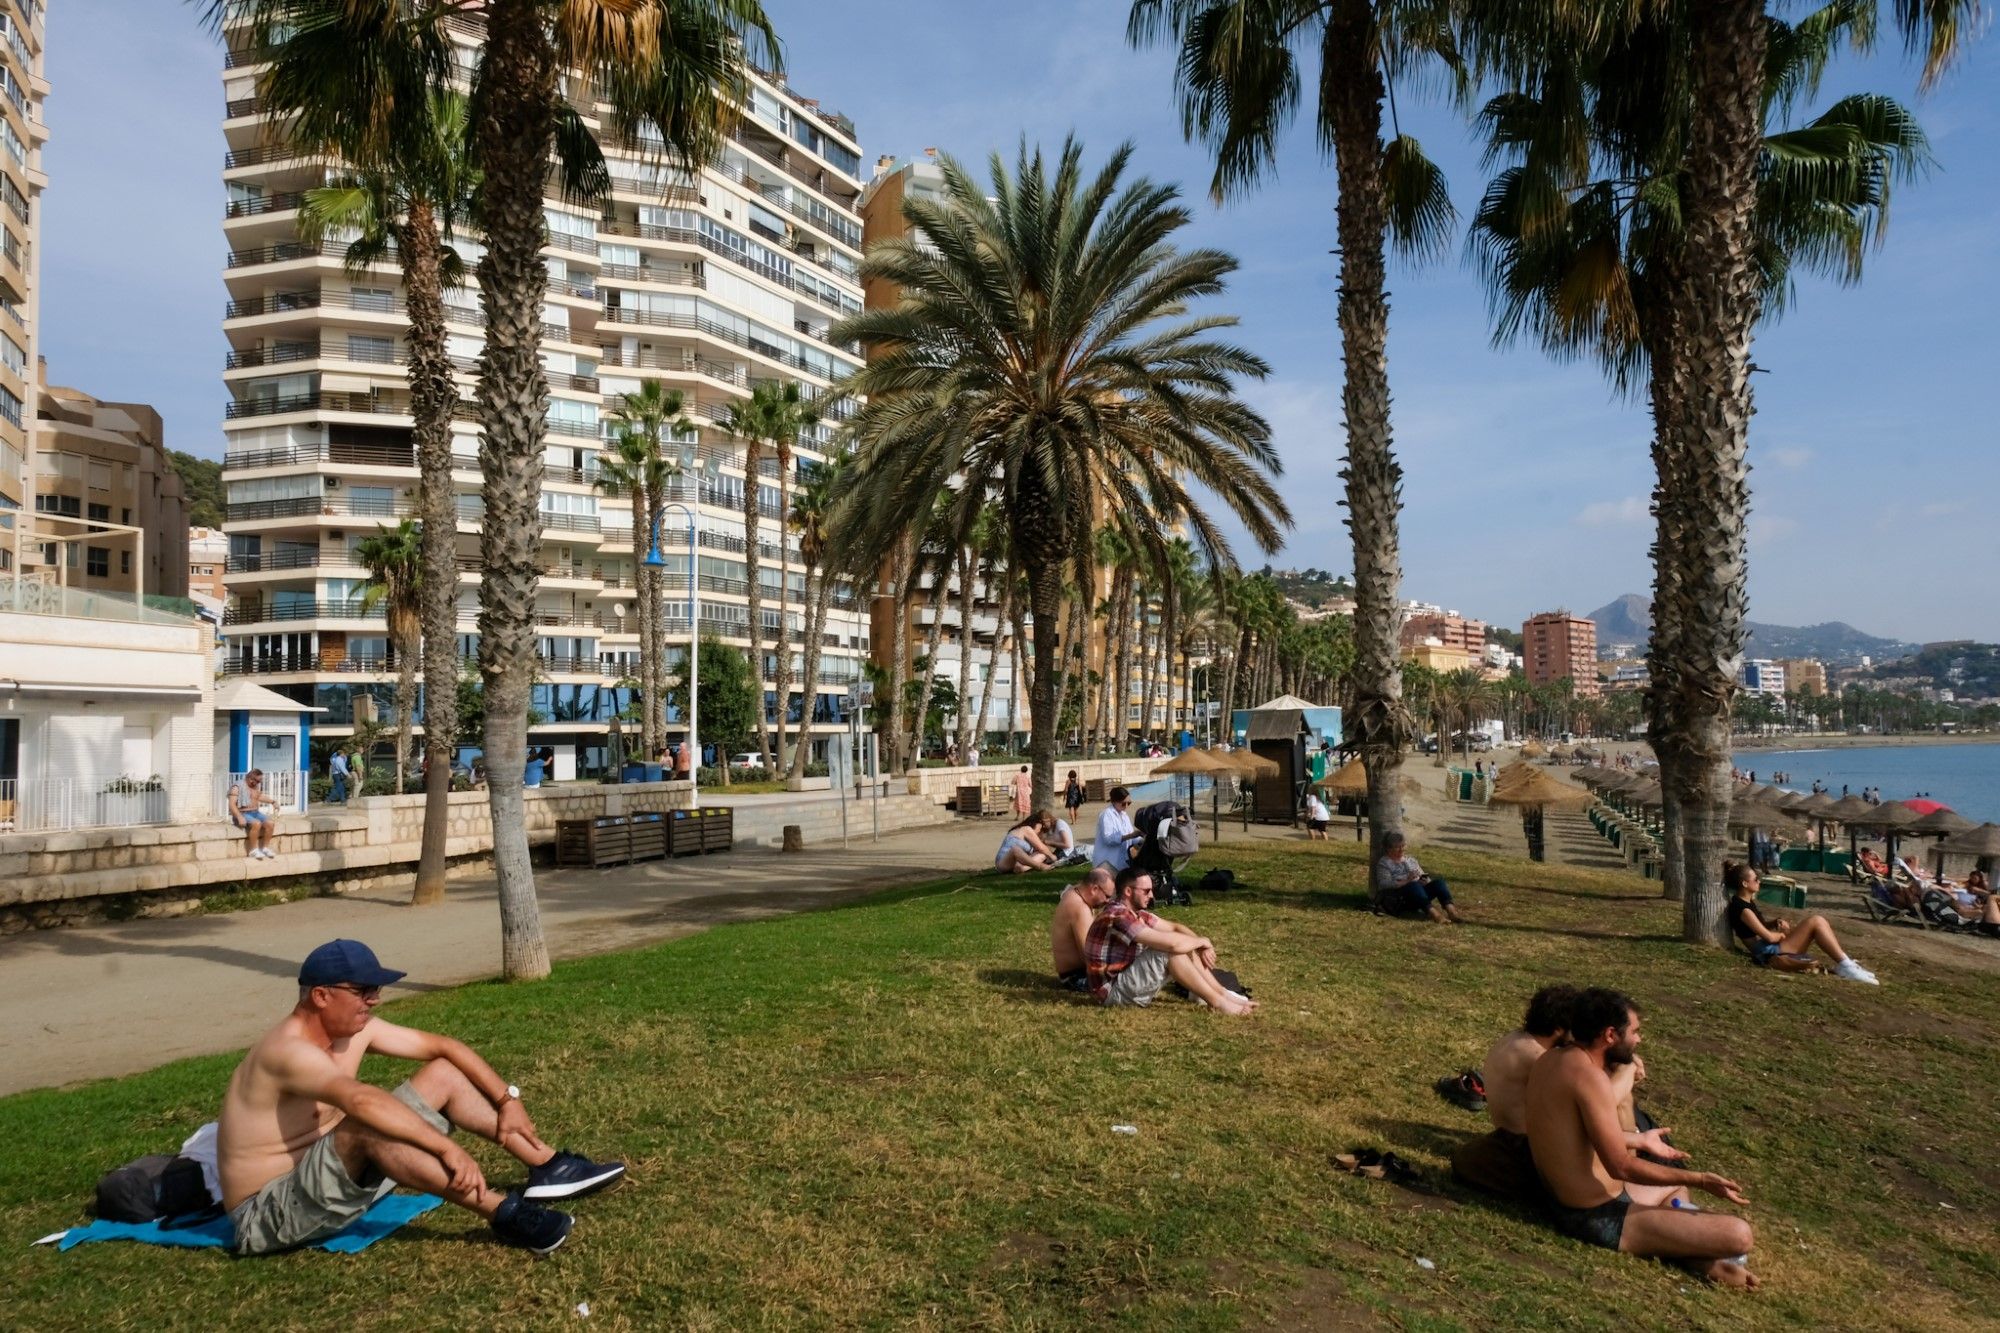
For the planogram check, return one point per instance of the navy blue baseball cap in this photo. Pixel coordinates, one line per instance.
(348, 961)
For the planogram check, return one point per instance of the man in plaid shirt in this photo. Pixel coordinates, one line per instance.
(1130, 953)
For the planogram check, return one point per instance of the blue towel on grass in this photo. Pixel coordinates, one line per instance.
(387, 1214)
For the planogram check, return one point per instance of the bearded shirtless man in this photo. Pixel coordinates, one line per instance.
(1070, 925)
(1500, 1161)
(1596, 1181)
(304, 1147)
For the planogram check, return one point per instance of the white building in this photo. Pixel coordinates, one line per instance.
(709, 283)
(1762, 676)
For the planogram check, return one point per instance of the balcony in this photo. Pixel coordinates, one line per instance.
(651, 319)
(684, 363)
(358, 455)
(258, 613)
(683, 236)
(267, 562)
(330, 506)
(265, 153)
(323, 401)
(284, 202)
(669, 275)
(282, 252)
(277, 303)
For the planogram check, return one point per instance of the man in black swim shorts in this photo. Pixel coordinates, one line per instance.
(1601, 1191)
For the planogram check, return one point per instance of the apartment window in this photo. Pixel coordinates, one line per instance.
(100, 476)
(10, 402)
(67, 505)
(125, 517)
(97, 561)
(379, 351)
(125, 562)
(379, 299)
(11, 355)
(99, 513)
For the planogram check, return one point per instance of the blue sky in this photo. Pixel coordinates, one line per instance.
(1874, 480)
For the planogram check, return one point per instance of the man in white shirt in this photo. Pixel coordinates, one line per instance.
(1115, 835)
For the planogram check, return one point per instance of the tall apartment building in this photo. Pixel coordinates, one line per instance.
(1761, 675)
(22, 135)
(1444, 640)
(208, 564)
(107, 462)
(708, 282)
(1555, 644)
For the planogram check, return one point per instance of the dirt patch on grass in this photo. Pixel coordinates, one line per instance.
(1022, 1249)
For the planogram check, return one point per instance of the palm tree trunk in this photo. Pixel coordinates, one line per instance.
(962, 733)
(1020, 670)
(1045, 599)
(1664, 641)
(933, 636)
(406, 703)
(647, 583)
(432, 399)
(514, 134)
(1716, 303)
(1374, 479)
(1002, 628)
(753, 468)
(819, 596)
(783, 681)
(1149, 665)
(889, 712)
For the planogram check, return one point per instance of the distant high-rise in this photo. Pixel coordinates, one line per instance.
(1556, 644)
(707, 282)
(22, 133)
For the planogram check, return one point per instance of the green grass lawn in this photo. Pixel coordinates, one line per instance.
(883, 1116)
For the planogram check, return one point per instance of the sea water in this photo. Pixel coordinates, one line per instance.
(1964, 777)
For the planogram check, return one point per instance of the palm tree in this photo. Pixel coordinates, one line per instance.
(1043, 343)
(676, 66)
(394, 559)
(360, 83)
(811, 516)
(1239, 70)
(1598, 266)
(637, 465)
(776, 414)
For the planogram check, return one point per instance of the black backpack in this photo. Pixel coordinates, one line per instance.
(1219, 880)
(156, 1188)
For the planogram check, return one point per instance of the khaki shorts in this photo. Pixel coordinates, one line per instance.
(317, 1197)
(1140, 981)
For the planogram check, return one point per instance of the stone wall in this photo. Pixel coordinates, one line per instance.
(941, 784)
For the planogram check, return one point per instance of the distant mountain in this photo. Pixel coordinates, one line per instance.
(1629, 619)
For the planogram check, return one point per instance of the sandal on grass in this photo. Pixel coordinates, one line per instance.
(1359, 1161)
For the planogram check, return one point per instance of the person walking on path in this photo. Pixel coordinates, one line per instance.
(1073, 795)
(1023, 787)
(337, 766)
(304, 1147)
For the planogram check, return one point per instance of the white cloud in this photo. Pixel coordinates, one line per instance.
(1791, 459)
(1614, 513)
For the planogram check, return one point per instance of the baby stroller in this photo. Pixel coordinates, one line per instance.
(1171, 837)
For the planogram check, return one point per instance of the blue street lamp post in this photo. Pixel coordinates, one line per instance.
(656, 561)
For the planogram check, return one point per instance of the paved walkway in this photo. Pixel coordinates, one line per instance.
(98, 1001)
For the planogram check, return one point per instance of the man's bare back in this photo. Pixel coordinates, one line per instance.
(1070, 926)
(264, 1130)
(1505, 1074)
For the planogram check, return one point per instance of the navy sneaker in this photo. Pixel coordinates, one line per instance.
(530, 1226)
(568, 1176)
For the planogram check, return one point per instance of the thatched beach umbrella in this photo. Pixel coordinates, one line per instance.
(1192, 761)
(1350, 779)
(1942, 822)
(1813, 807)
(1846, 811)
(1532, 750)
(1890, 818)
(1535, 792)
(1982, 842)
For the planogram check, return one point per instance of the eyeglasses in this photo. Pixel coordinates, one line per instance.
(363, 992)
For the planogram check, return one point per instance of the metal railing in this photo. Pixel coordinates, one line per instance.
(267, 561)
(309, 505)
(50, 805)
(284, 201)
(258, 613)
(361, 455)
(322, 401)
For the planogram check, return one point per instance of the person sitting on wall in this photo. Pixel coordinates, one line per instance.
(255, 813)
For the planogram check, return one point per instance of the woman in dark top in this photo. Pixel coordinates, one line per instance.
(1073, 795)
(1767, 939)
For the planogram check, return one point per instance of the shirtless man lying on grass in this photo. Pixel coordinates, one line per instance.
(304, 1147)
(1603, 1193)
(1070, 926)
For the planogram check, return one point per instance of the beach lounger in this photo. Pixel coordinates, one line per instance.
(1884, 908)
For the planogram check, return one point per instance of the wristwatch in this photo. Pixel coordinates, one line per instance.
(513, 1094)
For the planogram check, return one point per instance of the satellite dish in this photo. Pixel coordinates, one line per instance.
(618, 609)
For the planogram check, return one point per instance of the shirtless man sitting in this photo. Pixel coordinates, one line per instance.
(1601, 1192)
(304, 1147)
(1500, 1162)
(1070, 926)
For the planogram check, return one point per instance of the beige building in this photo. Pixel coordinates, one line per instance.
(103, 462)
(707, 282)
(1556, 644)
(1803, 675)
(208, 562)
(22, 136)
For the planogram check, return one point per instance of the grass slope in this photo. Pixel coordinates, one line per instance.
(881, 1116)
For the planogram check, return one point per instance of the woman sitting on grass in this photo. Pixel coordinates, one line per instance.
(1022, 849)
(1768, 940)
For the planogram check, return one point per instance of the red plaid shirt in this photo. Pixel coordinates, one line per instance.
(1113, 942)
